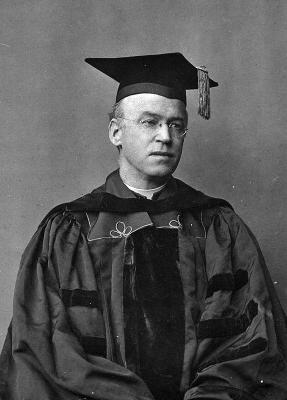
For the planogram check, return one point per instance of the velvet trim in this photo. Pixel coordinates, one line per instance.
(80, 297)
(183, 200)
(227, 281)
(223, 327)
(106, 202)
(154, 311)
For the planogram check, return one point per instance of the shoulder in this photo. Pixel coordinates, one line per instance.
(75, 208)
(189, 197)
(214, 210)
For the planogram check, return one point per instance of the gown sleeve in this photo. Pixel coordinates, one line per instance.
(242, 334)
(42, 357)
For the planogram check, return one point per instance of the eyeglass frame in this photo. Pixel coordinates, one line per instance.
(158, 125)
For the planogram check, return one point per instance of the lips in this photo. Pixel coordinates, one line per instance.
(161, 153)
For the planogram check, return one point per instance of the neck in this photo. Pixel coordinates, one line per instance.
(143, 184)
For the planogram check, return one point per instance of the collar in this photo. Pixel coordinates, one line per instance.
(115, 225)
(115, 186)
(147, 193)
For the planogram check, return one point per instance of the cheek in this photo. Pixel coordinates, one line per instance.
(178, 149)
(134, 146)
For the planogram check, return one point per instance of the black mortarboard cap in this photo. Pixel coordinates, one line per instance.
(168, 75)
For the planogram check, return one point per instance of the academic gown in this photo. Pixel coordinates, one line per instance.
(124, 298)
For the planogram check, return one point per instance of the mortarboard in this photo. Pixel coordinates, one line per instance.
(168, 75)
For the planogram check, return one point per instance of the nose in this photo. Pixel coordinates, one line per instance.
(163, 134)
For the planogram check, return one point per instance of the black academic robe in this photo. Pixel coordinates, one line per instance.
(89, 299)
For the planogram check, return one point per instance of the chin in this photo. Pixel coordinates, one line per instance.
(160, 172)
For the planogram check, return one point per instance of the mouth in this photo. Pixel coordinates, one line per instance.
(161, 154)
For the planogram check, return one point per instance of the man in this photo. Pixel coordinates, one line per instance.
(145, 288)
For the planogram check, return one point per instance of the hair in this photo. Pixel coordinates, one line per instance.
(117, 112)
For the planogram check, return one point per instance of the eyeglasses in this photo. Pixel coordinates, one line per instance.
(152, 125)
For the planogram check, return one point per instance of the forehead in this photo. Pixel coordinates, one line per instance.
(138, 104)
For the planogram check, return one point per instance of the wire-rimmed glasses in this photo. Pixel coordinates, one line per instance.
(152, 125)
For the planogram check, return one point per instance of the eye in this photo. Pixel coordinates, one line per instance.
(149, 123)
(176, 125)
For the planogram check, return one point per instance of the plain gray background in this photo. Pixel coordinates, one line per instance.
(54, 143)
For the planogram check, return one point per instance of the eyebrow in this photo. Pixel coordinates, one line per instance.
(158, 116)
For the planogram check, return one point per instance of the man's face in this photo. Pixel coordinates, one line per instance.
(149, 156)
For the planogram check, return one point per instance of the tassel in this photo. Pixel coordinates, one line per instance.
(203, 92)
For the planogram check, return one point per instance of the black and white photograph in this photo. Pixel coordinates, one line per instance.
(143, 164)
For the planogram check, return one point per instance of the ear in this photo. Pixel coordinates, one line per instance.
(115, 132)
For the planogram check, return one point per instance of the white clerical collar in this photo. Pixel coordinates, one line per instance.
(148, 193)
